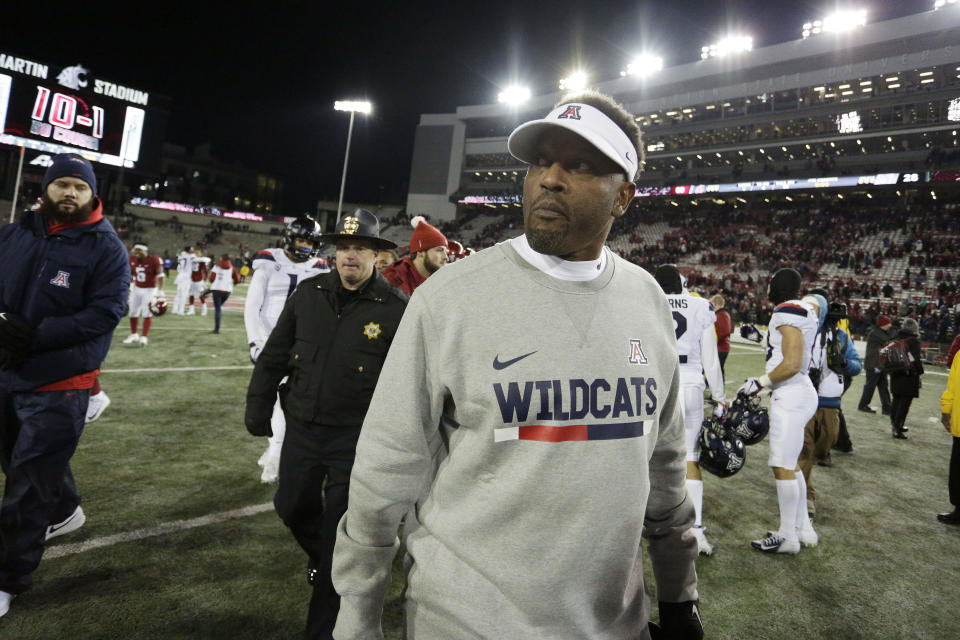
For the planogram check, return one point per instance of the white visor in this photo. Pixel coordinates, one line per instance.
(587, 122)
(140, 246)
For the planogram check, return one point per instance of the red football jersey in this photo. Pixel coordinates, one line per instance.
(199, 273)
(145, 271)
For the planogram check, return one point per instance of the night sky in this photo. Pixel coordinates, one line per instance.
(259, 84)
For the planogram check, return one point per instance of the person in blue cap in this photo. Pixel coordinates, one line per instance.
(64, 281)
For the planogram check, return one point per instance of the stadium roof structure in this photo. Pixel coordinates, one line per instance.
(923, 45)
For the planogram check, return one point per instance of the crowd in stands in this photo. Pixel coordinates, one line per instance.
(730, 250)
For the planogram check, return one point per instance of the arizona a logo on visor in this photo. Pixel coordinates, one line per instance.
(572, 112)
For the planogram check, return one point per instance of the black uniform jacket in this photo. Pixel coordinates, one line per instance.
(907, 383)
(333, 355)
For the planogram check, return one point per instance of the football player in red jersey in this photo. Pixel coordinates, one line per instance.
(146, 272)
(198, 284)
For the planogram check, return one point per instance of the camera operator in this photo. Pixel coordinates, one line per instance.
(833, 363)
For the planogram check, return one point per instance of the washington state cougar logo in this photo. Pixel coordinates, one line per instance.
(73, 77)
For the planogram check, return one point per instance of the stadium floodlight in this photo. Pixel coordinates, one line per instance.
(514, 95)
(728, 46)
(574, 82)
(643, 65)
(836, 23)
(353, 106)
(939, 4)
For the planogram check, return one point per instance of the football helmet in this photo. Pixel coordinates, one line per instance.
(751, 333)
(158, 306)
(722, 452)
(748, 419)
(306, 228)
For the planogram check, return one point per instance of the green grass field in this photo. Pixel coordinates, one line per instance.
(172, 447)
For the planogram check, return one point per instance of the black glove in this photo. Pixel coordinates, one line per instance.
(678, 621)
(257, 420)
(15, 334)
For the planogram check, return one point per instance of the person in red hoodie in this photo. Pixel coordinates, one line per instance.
(724, 327)
(223, 276)
(428, 252)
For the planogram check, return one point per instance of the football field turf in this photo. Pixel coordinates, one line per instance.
(181, 540)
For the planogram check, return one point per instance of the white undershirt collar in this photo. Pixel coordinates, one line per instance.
(576, 271)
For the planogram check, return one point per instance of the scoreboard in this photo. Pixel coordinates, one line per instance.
(70, 111)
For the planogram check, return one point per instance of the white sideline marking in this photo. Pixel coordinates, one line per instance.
(60, 551)
(162, 369)
(207, 329)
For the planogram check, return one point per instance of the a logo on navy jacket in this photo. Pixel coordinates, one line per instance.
(574, 410)
(62, 279)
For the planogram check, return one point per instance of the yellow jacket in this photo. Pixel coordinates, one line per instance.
(950, 400)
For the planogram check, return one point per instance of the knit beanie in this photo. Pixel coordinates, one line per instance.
(70, 165)
(784, 285)
(669, 278)
(425, 235)
(884, 321)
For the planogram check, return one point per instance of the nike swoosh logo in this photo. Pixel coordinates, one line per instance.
(53, 528)
(503, 365)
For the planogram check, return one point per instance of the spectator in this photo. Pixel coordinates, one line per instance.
(385, 258)
(724, 327)
(222, 277)
(828, 376)
(428, 252)
(905, 385)
(876, 378)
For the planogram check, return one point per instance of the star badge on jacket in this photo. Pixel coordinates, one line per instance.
(372, 331)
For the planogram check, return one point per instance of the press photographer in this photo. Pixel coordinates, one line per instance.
(833, 363)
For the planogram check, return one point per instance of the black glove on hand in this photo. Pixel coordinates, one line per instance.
(15, 334)
(678, 621)
(257, 421)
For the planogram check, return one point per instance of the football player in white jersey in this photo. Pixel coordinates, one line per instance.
(184, 269)
(793, 401)
(693, 321)
(276, 273)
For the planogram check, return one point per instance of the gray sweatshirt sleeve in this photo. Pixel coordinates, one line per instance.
(669, 516)
(392, 468)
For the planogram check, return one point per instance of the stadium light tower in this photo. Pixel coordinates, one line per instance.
(643, 65)
(574, 82)
(514, 95)
(353, 106)
(836, 23)
(728, 46)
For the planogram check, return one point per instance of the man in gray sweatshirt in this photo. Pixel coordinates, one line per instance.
(526, 424)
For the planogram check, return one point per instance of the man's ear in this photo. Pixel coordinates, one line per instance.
(624, 197)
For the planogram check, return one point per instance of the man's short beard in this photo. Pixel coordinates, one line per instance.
(549, 243)
(52, 213)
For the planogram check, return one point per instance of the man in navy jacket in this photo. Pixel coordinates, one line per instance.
(64, 281)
